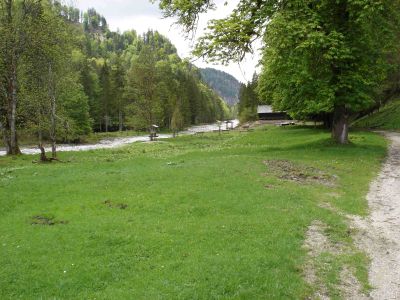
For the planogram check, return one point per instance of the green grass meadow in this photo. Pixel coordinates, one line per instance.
(196, 217)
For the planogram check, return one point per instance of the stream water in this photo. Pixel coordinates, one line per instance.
(118, 142)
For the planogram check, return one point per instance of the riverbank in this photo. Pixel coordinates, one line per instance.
(199, 216)
(111, 141)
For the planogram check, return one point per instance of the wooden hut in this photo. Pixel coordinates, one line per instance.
(265, 112)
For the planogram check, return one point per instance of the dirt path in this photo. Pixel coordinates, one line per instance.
(380, 232)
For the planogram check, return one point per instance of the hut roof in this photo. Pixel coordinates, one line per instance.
(264, 109)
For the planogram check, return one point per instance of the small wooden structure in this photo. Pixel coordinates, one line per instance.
(229, 125)
(153, 132)
(265, 112)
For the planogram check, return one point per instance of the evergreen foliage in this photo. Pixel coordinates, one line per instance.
(65, 74)
(249, 101)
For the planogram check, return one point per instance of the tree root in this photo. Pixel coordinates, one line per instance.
(43, 158)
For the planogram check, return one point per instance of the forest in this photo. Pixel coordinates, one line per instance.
(65, 74)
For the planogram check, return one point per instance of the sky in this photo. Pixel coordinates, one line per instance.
(142, 15)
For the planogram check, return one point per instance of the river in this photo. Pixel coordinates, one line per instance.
(111, 143)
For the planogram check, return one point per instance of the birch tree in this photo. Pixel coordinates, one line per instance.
(14, 21)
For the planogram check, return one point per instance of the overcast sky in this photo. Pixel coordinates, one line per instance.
(142, 15)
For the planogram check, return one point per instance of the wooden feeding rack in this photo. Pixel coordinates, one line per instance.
(153, 132)
(229, 125)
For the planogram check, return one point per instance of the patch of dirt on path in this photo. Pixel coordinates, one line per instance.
(317, 244)
(350, 287)
(379, 234)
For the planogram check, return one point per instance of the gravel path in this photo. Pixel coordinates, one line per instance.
(380, 232)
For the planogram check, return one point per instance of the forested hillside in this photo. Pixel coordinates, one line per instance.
(64, 74)
(249, 100)
(223, 83)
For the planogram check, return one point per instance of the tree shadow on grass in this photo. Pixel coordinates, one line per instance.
(359, 145)
(327, 144)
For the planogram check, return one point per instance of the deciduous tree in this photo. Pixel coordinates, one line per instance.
(325, 56)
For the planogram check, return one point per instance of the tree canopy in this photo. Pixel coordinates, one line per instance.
(64, 74)
(318, 56)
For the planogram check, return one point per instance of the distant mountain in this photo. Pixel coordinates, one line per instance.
(223, 84)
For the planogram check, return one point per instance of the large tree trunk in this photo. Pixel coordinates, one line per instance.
(340, 126)
(12, 57)
(12, 113)
(43, 157)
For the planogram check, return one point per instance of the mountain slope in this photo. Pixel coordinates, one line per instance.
(223, 84)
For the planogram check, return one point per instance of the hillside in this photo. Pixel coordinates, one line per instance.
(223, 84)
(387, 118)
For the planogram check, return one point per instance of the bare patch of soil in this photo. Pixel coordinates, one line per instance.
(269, 186)
(317, 241)
(111, 204)
(350, 287)
(287, 170)
(321, 291)
(46, 221)
(316, 244)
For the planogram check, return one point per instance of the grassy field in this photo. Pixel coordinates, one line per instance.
(387, 118)
(188, 218)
